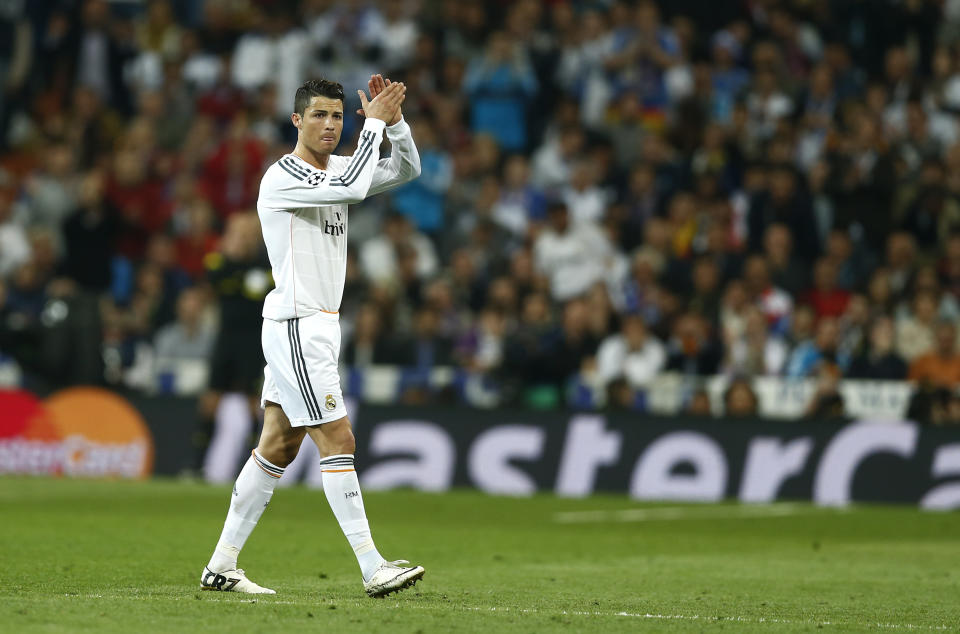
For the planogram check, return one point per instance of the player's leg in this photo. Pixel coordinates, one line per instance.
(340, 484)
(278, 446)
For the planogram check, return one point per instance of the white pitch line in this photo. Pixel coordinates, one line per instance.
(719, 619)
(685, 513)
(760, 620)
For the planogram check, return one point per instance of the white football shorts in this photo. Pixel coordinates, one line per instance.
(301, 375)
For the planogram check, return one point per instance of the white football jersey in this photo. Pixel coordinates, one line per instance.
(303, 212)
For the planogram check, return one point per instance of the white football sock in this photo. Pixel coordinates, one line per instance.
(343, 493)
(251, 494)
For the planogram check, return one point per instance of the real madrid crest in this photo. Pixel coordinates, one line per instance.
(329, 402)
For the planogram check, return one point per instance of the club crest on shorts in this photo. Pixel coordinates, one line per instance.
(329, 402)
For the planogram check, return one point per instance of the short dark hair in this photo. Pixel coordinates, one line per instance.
(316, 88)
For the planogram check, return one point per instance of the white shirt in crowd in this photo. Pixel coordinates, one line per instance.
(775, 354)
(14, 248)
(378, 258)
(586, 205)
(260, 59)
(574, 260)
(303, 212)
(638, 367)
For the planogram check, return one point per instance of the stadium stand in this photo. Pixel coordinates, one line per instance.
(623, 204)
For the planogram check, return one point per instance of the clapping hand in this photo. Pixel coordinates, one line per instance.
(377, 85)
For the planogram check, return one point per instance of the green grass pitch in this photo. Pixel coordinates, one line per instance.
(103, 556)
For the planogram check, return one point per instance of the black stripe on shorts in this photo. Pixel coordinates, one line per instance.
(300, 372)
(303, 364)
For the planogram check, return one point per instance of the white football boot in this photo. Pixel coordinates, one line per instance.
(230, 581)
(392, 576)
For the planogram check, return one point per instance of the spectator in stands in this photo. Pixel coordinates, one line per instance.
(601, 319)
(569, 347)
(553, 160)
(706, 295)
(197, 239)
(488, 338)
(231, 173)
(26, 293)
(739, 400)
(632, 353)
(272, 51)
(14, 246)
(854, 327)
(526, 347)
(900, 262)
(915, 329)
(932, 213)
(574, 257)
(949, 265)
(584, 197)
(755, 352)
(699, 404)
(863, 179)
(727, 77)
(466, 276)
(379, 256)
(927, 280)
(691, 350)
(880, 292)
(934, 406)
(366, 346)
(853, 265)
(733, 311)
(785, 203)
(941, 366)
(786, 271)
(500, 85)
(620, 396)
(640, 292)
(51, 192)
(879, 360)
(520, 203)
(16, 59)
(161, 253)
(423, 199)
(424, 348)
(182, 348)
(807, 356)
(89, 234)
(827, 402)
(454, 317)
(775, 302)
(825, 297)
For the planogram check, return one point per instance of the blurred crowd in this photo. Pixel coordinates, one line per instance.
(611, 189)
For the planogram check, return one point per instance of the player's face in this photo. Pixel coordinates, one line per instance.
(321, 124)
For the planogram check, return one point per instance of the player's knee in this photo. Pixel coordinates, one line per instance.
(342, 442)
(348, 444)
(280, 451)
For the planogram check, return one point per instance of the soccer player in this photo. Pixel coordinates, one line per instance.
(303, 211)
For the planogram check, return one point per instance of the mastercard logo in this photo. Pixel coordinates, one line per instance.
(80, 432)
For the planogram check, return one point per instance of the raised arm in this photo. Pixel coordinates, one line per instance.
(404, 162)
(292, 183)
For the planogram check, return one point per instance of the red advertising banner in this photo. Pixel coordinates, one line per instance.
(77, 432)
